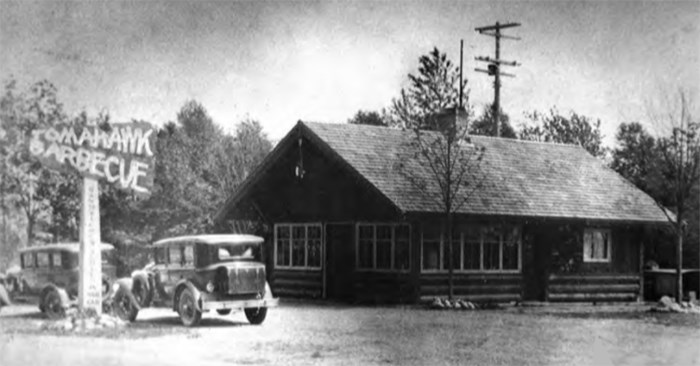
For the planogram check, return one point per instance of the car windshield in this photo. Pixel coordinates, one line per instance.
(232, 252)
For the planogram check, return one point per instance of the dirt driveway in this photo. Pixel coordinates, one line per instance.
(327, 334)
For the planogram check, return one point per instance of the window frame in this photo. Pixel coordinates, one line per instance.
(459, 267)
(291, 226)
(608, 251)
(392, 266)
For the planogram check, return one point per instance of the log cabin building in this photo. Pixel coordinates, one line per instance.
(549, 223)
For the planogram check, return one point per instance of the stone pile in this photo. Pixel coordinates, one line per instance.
(667, 305)
(457, 304)
(79, 321)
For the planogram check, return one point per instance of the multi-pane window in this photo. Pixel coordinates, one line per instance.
(474, 248)
(298, 246)
(596, 245)
(383, 247)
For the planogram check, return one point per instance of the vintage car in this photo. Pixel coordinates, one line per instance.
(195, 274)
(49, 276)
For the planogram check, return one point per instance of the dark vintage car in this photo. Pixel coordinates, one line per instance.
(50, 275)
(195, 274)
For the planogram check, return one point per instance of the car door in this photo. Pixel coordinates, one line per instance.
(180, 265)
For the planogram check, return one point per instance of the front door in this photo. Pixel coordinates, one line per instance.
(536, 266)
(340, 260)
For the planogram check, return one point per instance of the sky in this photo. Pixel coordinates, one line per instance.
(280, 62)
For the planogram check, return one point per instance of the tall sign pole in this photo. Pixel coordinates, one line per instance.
(494, 66)
(90, 288)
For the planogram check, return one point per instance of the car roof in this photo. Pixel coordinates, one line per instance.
(212, 239)
(66, 247)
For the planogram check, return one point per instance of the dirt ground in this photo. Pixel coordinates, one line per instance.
(303, 333)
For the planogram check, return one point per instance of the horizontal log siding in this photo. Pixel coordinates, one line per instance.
(382, 287)
(297, 283)
(495, 287)
(592, 287)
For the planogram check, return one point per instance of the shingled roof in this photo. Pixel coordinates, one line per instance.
(520, 178)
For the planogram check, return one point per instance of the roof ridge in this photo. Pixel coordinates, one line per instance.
(470, 135)
(527, 141)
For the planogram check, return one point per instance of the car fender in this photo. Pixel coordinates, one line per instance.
(62, 294)
(183, 284)
(268, 291)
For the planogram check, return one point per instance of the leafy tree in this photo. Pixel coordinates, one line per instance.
(198, 167)
(572, 129)
(484, 126)
(435, 88)
(439, 141)
(680, 166)
(371, 118)
(22, 113)
(636, 157)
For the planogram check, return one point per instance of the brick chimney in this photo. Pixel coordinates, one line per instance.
(451, 119)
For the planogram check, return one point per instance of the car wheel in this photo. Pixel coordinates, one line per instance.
(123, 308)
(187, 308)
(223, 311)
(256, 315)
(53, 306)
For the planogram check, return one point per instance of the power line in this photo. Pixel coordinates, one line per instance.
(494, 65)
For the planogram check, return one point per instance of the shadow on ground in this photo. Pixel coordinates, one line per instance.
(668, 319)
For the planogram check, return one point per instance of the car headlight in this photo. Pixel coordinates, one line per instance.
(210, 286)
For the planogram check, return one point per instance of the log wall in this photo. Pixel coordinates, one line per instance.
(496, 287)
(297, 283)
(592, 287)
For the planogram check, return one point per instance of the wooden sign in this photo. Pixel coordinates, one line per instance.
(122, 154)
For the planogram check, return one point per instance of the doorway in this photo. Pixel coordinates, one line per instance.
(340, 260)
(536, 270)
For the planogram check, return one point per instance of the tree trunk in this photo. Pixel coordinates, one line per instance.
(679, 263)
(450, 264)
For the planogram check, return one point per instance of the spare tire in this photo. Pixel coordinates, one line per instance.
(142, 291)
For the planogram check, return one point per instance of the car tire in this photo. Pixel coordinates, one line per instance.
(256, 315)
(123, 308)
(53, 305)
(223, 311)
(187, 308)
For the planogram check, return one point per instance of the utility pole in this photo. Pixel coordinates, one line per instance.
(494, 65)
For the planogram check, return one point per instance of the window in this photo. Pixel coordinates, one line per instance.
(475, 248)
(160, 255)
(596, 245)
(175, 254)
(402, 247)
(27, 260)
(188, 255)
(298, 245)
(432, 249)
(42, 259)
(283, 246)
(383, 247)
(56, 260)
(472, 249)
